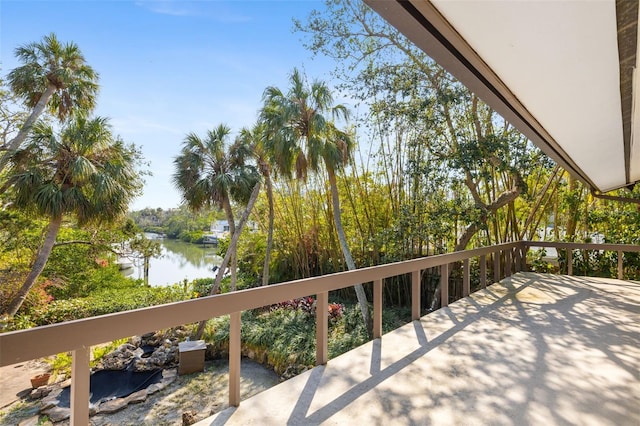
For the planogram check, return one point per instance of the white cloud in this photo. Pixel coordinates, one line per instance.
(212, 9)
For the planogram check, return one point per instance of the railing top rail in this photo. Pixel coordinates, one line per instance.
(42, 341)
(18, 346)
(583, 246)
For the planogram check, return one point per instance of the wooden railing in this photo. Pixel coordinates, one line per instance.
(570, 247)
(78, 336)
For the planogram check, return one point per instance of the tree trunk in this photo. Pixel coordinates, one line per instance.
(146, 270)
(503, 199)
(267, 255)
(38, 266)
(351, 265)
(15, 143)
(232, 248)
(232, 231)
(573, 210)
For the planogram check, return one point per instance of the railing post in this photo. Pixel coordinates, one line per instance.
(80, 380)
(483, 271)
(322, 327)
(444, 285)
(377, 309)
(620, 267)
(234, 359)
(569, 261)
(466, 278)
(496, 266)
(507, 263)
(525, 251)
(517, 263)
(415, 295)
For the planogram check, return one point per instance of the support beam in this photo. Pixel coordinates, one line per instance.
(466, 278)
(415, 295)
(377, 309)
(80, 374)
(322, 327)
(444, 285)
(234, 359)
(620, 265)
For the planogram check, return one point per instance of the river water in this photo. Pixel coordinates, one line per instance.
(179, 261)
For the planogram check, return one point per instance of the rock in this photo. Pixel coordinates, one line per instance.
(112, 406)
(137, 397)
(189, 418)
(39, 393)
(48, 402)
(154, 388)
(57, 414)
(135, 341)
(170, 373)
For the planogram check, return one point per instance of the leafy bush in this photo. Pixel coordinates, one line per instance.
(285, 334)
(288, 336)
(191, 236)
(106, 302)
(202, 286)
(308, 306)
(12, 280)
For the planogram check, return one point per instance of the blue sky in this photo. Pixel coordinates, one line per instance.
(171, 67)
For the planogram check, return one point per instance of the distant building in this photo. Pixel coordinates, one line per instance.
(220, 229)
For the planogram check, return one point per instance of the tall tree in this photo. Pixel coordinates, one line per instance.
(258, 139)
(84, 171)
(54, 75)
(305, 113)
(209, 172)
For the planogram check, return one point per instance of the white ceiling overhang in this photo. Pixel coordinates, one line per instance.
(562, 72)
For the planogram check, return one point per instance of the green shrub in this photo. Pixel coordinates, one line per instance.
(106, 302)
(202, 286)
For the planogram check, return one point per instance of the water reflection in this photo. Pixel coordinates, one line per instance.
(179, 261)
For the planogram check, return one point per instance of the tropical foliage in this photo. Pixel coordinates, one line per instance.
(53, 76)
(59, 180)
(417, 165)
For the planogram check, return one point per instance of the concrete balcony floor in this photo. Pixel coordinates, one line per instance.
(534, 349)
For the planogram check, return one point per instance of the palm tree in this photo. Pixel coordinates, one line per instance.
(84, 171)
(210, 174)
(257, 139)
(53, 75)
(300, 117)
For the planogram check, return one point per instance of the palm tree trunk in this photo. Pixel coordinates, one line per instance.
(232, 248)
(15, 143)
(232, 231)
(38, 266)
(351, 265)
(267, 255)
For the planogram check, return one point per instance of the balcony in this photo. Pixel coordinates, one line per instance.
(528, 349)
